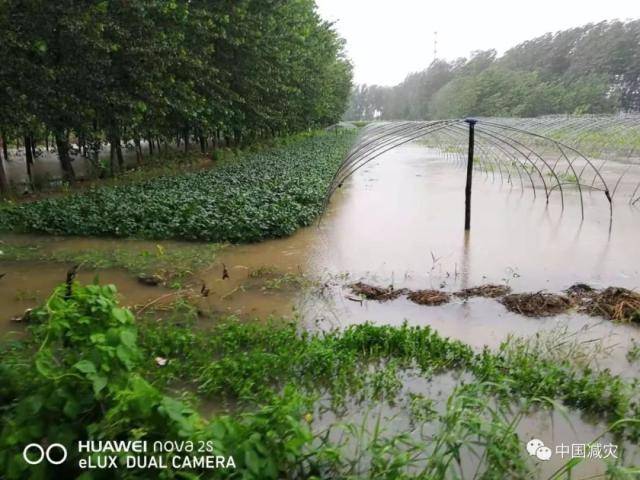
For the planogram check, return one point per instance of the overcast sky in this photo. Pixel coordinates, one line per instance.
(387, 39)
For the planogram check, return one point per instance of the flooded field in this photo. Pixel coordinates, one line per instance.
(399, 222)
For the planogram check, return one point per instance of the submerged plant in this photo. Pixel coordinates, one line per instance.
(90, 370)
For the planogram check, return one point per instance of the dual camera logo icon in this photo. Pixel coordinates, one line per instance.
(536, 447)
(34, 454)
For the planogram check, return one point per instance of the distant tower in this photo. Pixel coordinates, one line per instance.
(435, 46)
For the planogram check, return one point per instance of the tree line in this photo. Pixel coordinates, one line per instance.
(590, 69)
(207, 71)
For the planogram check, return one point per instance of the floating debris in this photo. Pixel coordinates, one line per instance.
(25, 317)
(429, 297)
(488, 291)
(150, 280)
(581, 291)
(615, 303)
(538, 304)
(371, 292)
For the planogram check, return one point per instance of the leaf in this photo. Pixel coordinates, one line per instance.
(124, 354)
(40, 46)
(253, 461)
(43, 366)
(71, 408)
(85, 366)
(128, 338)
(121, 315)
(99, 382)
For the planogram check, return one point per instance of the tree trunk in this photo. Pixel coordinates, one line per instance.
(138, 150)
(186, 140)
(5, 148)
(119, 154)
(29, 156)
(203, 148)
(62, 144)
(4, 180)
(150, 141)
(112, 157)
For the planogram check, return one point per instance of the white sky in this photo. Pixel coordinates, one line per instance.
(387, 39)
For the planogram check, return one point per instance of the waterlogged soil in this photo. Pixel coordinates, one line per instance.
(398, 224)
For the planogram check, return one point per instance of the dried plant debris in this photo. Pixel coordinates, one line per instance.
(371, 292)
(579, 291)
(488, 291)
(615, 303)
(429, 297)
(540, 304)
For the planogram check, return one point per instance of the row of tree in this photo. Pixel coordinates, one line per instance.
(590, 69)
(125, 70)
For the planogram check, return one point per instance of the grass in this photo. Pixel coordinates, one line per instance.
(633, 355)
(91, 369)
(269, 278)
(173, 265)
(261, 195)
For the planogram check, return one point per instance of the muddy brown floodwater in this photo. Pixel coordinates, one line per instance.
(399, 221)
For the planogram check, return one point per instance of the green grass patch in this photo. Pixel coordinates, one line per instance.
(90, 370)
(261, 195)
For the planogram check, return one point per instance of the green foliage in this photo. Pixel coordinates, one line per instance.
(88, 371)
(263, 195)
(225, 71)
(82, 380)
(633, 354)
(588, 69)
(263, 358)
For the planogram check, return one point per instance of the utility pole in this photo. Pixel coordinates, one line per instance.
(467, 191)
(435, 46)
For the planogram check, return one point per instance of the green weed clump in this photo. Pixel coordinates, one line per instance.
(262, 195)
(90, 371)
(80, 377)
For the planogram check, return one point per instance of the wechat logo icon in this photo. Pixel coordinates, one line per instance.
(536, 447)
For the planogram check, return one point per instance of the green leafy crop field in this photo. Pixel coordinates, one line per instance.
(261, 195)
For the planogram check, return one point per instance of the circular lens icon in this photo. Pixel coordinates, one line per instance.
(33, 447)
(62, 449)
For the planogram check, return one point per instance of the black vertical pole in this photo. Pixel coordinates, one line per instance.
(467, 190)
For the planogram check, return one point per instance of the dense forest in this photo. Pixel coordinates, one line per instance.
(96, 74)
(590, 69)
